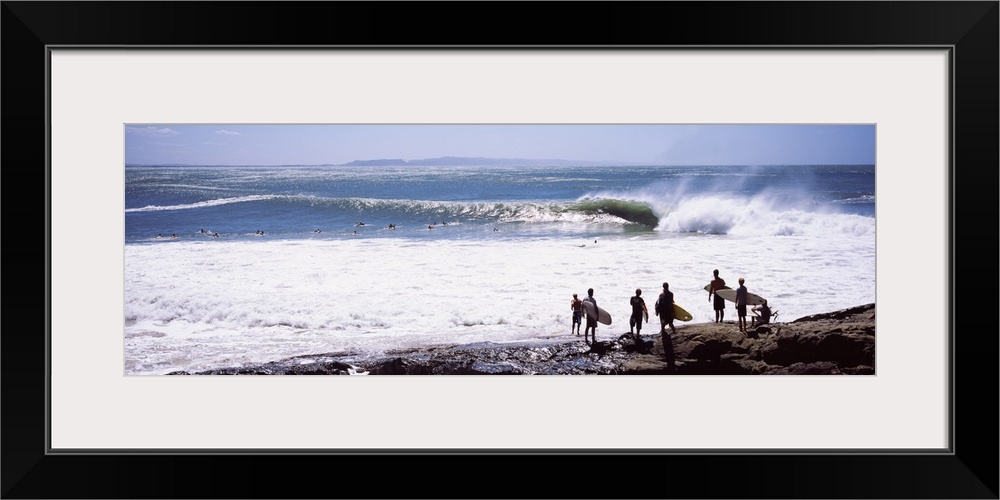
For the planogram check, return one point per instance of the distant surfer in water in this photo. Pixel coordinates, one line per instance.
(664, 308)
(591, 322)
(720, 303)
(639, 312)
(741, 306)
(576, 305)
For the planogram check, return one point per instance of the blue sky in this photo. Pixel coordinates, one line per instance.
(228, 144)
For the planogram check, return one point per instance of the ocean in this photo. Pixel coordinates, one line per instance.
(226, 266)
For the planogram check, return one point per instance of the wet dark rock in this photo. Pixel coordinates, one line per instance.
(710, 350)
(554, 357)
(847, 346)
(839, 315)
(860, 370)
(818, 368)
(290, 366)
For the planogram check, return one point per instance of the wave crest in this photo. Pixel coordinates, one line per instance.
(629, 211)
(758, 217)
(203, 204)
(734, 215)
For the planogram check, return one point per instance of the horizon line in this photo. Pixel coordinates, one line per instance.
(569, 163)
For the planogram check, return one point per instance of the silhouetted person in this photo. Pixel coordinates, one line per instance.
(591, 321)
(741, 306)
(639, 312)
(720, 303)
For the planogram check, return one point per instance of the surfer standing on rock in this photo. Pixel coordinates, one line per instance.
(591, 321)
(720, 303)
(576, 305)
(664, 308)
(741, 306)
(639, 312)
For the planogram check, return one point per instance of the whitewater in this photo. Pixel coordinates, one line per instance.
(475, 255)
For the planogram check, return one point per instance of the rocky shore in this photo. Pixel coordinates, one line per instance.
(836, 343)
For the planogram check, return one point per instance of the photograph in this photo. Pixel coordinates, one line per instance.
(420, 188)
(482, 249)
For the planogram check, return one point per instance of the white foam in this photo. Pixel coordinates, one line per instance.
(205, 304)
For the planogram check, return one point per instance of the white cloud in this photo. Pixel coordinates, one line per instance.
(208, 143)
(226, 132)
(151, 131)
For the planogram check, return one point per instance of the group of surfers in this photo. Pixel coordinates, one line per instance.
(664, 308)
(762, 313)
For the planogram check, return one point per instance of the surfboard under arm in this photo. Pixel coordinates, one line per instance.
(730, 295)
(597, 313)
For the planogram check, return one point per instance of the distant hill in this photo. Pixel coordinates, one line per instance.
(476, 162)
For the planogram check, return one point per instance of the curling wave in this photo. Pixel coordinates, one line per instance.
(630, 211)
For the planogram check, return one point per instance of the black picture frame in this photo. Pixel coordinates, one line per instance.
(970, 29)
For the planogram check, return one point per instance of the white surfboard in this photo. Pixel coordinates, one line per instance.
(730, 295)
(597, 313)
(708, 287)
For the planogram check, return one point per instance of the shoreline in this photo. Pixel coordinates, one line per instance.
(833, 343)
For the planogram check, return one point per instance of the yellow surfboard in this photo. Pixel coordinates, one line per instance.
(681, 313)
